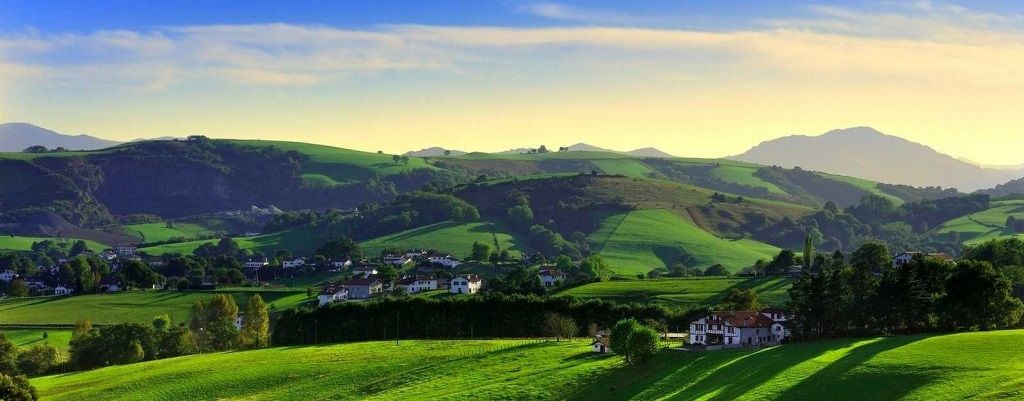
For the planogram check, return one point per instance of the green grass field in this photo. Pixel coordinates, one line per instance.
(977, 365)
(300, 241)
(627, 167)
(331, 165)
(156, 232)
(869, 186)
(453, 237)
(684, 291)
(744, 175)
(25, 338)
(135, 307)
(987, 224)
(18, 243)
(644, 240)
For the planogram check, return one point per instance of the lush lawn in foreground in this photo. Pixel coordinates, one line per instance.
(979, 366)
(685, 291)
(644, 240)
(137, 307)
(25, 338)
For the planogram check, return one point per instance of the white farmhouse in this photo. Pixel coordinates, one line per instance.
(256, 263)
(363, 288)
(448, 261)
(397, 260)
(110, 284)
(341, 264)
(550, 277)
(125, 249)
(294, 263)
(465, 284)
(414, 284)
(8, 275)
(62, 290)
(731, 329)
(332, 294)
(601, 343)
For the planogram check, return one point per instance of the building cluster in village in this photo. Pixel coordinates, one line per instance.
(38, 285)
(366, 283)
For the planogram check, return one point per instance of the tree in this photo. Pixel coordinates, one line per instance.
(220, 314)
(542, 149)
(716, 270)
(78, 248)
(161, 322)
(16, 388)
(977, 297)
(19, 289)
(447, 152)
(564, 263)
(8, 357)
(405, 160)
(479, 252)
(872, 257)
(559, 326)
(642, 345)
(387, 273)
(341, 248)
(595, 267)
(741, 299)
(138, 274)
(781, 262)
(808, 251)
(396, 158)
(256, 329)
(520, 217)
(619, 336)
(36, 149)
(37, 360)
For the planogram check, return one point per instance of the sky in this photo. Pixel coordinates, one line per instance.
(699, 79)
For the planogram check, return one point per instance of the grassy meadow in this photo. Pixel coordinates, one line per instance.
(26, 338)
(134, 307)
(19, 243)
(157, 232)
(884, 368)
(453, 237)
(987, 224)
(643, 240)
(331, 165)
(684, 291)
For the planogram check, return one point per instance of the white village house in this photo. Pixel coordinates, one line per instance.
(363, 288)
(333, 293)
(341, 264)
(731, 329)
(903, 258)
(62, 290)
(448, 261)
(256, 263)
(125, 249)
(109, 284)
(601, 343)
(550, 277)
(8, 275)
(293, 263)
(363, 269)
(397, 260)
(414, 284)
(465, 284)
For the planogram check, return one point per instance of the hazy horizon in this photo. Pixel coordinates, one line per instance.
(700, 80)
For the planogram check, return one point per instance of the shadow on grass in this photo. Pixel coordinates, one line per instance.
(727, 375)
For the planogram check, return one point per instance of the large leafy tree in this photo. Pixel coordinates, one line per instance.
(978, 297)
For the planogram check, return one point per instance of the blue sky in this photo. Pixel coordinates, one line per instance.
(695, 78)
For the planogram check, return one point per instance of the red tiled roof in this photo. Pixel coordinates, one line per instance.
(745, 318)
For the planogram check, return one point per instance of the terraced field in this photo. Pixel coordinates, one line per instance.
(923, 367)
(684, 291)
(644, 240)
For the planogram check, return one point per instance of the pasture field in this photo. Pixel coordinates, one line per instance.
(453, 237)
(644, 240)
(745, 175)
(331, 165)
(156, 232)
(19, 243)
(987, 224)
(869, 186)
(128, 307)
(921, 367)
(26, 338)
(300, 241)
(685, 291)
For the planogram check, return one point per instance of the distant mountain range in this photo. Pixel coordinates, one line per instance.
(585, 147)
(867, 153)
(15, 137)
(433, 151)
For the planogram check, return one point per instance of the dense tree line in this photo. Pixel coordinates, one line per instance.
(14, 385)
(489, 316)
(868, 295)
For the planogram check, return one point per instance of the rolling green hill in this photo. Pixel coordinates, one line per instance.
(19, 243)
(446, 237)
(135, 307)
(684, 291)
(644, 240)
(157, 232)
(885, 368)
(25, 338)
(985, 225)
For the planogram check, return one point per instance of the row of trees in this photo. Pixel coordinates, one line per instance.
(869, 295)
(211, 327)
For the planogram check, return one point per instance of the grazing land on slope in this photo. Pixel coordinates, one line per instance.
(684, 291)
(27, 338)
(987, 224)
(157, 232)
(132, 307)
(19, 243)
(644, 240)
(938, 367)
(453, 237)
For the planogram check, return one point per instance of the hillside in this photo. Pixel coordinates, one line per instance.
(884, 368)
(892, 159)
(448, 237)
(985, 225)
(15, 137)
(684, 291)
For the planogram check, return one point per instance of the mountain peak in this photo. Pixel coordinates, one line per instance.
(15, 137)
(868, 153)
